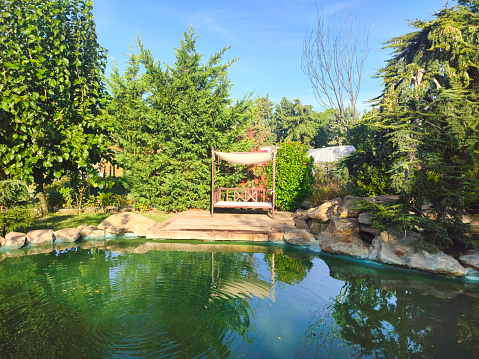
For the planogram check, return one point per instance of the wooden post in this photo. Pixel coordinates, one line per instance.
(212, 181)
(274, 178)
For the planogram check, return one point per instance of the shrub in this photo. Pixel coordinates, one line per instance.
(15, 206)
(330, 181)
(294, 175)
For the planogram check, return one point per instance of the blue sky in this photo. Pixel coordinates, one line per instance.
(266, 35)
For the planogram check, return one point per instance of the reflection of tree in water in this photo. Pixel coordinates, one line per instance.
(372, 320)
(82, 303)
(287, 269)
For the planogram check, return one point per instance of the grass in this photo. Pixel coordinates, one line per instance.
(60, 221)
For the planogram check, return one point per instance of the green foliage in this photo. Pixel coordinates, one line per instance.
(329, 181)
(15, 208)
(445, 234)
(389, 215)
(66, 193)
(288, 270)
(261, 131)
(51, 89)
(168, 120)
(294, 175)
(13, 192)
(421, 139)
(370, 181)
(294, 122)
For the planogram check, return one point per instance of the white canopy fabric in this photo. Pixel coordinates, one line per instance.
(245, 158)
(330, 154)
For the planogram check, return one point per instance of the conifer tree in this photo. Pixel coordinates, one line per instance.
(186, 111)
(428, 117)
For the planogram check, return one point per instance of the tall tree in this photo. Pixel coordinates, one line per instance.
(428, 115)
(51, 68)
(334, 54)
(294, 122)
(188, 111)
(262, 112)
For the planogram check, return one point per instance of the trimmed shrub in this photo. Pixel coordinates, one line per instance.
(294, 175)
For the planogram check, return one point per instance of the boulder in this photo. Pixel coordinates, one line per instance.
(2, 241)
(92, 232)
(298, 237)
(302, 213)
(15, 240)
(470, 259)
(343, 225)
(397, 249)
(365, 218)
(68, 235)
(316, 226)
(41, 237)
(348, 208)
(127, 222)
(326, 210)
(300, 223)
(347, 244)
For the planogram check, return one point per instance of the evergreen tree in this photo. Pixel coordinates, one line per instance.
(427, 116)
(187, 110)
(295, 122)
(262, 109)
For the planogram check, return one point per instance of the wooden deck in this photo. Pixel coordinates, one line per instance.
(224, 226)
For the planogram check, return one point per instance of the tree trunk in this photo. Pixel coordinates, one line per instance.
(40, 193)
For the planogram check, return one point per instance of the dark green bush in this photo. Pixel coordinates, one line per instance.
(294, 175)
(15, 208)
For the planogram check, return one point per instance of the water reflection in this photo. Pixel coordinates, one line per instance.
(158, 299)
(383, 313)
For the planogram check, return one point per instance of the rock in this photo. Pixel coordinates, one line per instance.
(348, 244)
(316, 226)
(15, 240)
(2, 241)
(67, 211)
(342, 224)
(127, 222)
(326, 210)
(348, 209)
(299, 213)
(467, 219)
(298, 237)
(41, 237)
(300, 223)
(470, 259)
(365, 218)
(393, 248)
(385, 199)
(90, 210)
(68, 235)
(302, 213)
(92, 232)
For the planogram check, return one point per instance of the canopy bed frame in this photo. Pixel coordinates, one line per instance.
(243, 197)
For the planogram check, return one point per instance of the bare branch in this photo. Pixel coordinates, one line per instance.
(334, 54)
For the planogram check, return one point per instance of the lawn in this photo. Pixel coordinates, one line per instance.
(60, 221)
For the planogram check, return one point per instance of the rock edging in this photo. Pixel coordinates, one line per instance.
(341, 229)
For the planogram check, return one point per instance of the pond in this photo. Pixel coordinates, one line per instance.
(154, 299)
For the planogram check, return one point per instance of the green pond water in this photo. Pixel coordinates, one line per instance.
(154, 299)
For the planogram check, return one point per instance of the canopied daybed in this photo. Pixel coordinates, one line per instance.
(243, 197)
